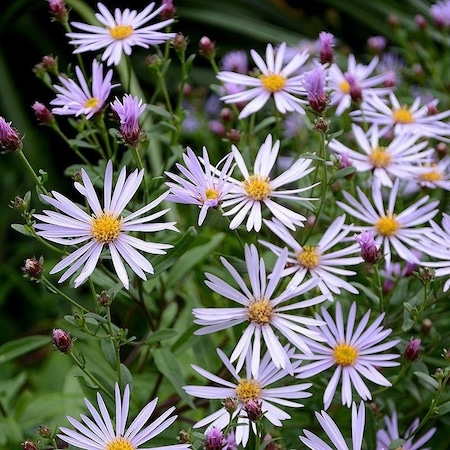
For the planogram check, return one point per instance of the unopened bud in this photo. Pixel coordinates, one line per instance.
(321, 124)
(426, 274)
(234, 136)
(442, 148)
(10, 141)
(426, 326)
(254, 410)
(213, 439)
(58, 10)
(29, 445)
(184, 437)
(421, 22)
(104, 298)
(230, 404)
(168, 11)
(207, 47)
(369, 251)
(226, 114)
(33, 268)
(19, 204)
(42, 113)
(180, 42)
(45, 431)
(412, 351)
(62, 341)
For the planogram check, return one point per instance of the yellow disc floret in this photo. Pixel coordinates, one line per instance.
(120, 32)
(345, 355)
(344, 86)
(91, 103)
(403, 115)
(119, 443)
(379, 157)
(260, 311)
(247, 390)
(257, 187)
(387, 225)
(273, 82)
(433, 175)
(308, 257)
(211, 194)
(106, 228)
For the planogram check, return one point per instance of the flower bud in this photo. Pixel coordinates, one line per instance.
(180, 42)
(426, 326)
(42, 113)
(62, 341)
(426, 274)
(10, 141)
(369, 251)
(33, 268)
(254, 410)
(58, 10)
(326, 52)
(207, 47)
(29, 445)
(168, 11)
(104, 298)
(230, 404)
(45, 431)
(412, 351)
(19, 204)
(184, 437)
(213, 439)
(234, 136)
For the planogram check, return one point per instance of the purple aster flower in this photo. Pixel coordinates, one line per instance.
(314, 84)
(10, 141)
(76, 99)
(326, 52)
(129, 111)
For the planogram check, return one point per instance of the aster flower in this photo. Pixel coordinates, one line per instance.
(326, 47)
(318, 261)
(204, 185)
(396, 159)
(249, 388)
(391, 433)
(314, 84)
(235, 61)
(397, 231)
(118, 33)
(101, 432)
(334, 434)
(274, 82)
(258, 189)
(355, 84)
(436, 244)
(10, 140)
(433, 174)
(106, 227)
(353, 353)
(396, 117)
(76, 99)
(261, 308)
(129, 111)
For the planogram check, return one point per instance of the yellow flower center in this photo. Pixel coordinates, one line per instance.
(344, 86)
(403, 115)
(248, 390)
(106, 228)
(379, 157)
(308, 257)
(432, 175)
(91, 103)
(273, 82)
(257, 187)
(260, 311)
(345, 355)
(387, 225)
(119, 443)
(120, 32)
(211, 194)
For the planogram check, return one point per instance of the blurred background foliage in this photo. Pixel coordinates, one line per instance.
(26, 35)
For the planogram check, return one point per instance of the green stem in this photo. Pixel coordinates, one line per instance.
(30, 169)
(62, 294)
(81, 365)
(116, 345)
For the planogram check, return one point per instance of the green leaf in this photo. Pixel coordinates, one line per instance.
(397, 443)
(126, 376)
(22, 229)
(407, 324)
(428, 380)
(22, 346)
(342, 173)
(109, 351)
(443, 409)
(168, 365)
(161, 335)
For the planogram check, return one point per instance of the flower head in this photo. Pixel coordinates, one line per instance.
(107, 226)
(314, 85)
(129, 111)
(399, 158)
(203, 184)
(274, 81)
(259, 189)
(391, 433)
(76, 99)
(261, 308)
(118, 33)
(10, 140)
(326, 51)
(318, 261)
(249, 388)
(370, 253)
(334, 434)
(392, 230)
(101, 433)
(353, 353)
